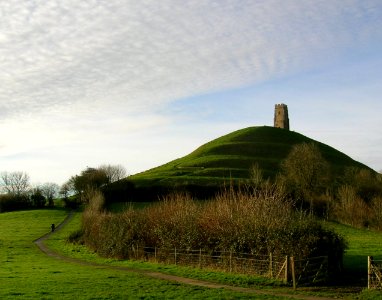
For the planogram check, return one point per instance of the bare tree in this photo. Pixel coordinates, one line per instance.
(15, 183)
(113, 172)
(306, 167)
(50, 190)
(306, 171)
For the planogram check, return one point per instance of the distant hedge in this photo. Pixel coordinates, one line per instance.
(13, 202)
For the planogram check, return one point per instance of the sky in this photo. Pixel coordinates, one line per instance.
(140, 83)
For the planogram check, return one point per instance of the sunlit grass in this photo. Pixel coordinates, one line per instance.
(27, 273)
(361, 243)
(232, 155)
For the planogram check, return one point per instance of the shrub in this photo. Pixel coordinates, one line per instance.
(252, 221)
(9, 202)
(376, 208)
(351, 209)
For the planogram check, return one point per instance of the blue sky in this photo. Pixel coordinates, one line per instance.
(139, 83)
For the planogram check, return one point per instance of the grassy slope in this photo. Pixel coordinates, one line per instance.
(361, 243)
(231, 157)
(26, 273)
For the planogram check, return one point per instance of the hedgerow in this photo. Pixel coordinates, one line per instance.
(254, 221)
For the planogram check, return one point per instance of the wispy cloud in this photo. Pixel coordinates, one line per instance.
(137, 54)
(111, 66)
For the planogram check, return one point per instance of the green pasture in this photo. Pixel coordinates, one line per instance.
(361, 243)
(27, 273)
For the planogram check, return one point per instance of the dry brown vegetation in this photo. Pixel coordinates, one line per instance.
(256, 221)
(260, 219)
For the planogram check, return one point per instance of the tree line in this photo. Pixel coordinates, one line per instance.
(17, 192)
(355, 198)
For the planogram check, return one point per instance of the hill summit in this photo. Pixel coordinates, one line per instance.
(229, 159)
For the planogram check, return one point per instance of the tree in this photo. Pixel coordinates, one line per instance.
(65, 190)
(89, 179)
(37, 198)
(15, 183)
(49, 190)
(366, 182)
(306, 170)
(113, 173)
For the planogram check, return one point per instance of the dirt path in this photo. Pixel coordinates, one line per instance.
(40, 243)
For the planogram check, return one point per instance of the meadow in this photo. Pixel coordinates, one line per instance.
(27, 273)
(361, 242)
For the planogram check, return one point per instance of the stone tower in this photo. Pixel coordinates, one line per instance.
(281, 116)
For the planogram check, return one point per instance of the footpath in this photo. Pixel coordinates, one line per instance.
(195, 282)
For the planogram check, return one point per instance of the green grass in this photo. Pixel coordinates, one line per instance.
(121, 206)
(27, 273)
(239, 150)
(227, 159)
(362, 243)
(57, 242)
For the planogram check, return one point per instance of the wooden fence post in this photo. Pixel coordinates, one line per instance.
(155, 254)
(230, 261)
(200, 258)
(369, 270)
(270, 265)
(286, 269)
(293, 272)
(175, 256)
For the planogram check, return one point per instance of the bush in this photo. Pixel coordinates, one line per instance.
(9, 202)
(254, 221)
(351, 209)
(76, 237)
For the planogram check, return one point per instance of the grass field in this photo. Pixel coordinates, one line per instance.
(27, 273)
(362, 243)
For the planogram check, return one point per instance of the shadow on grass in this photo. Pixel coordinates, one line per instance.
(354, 272)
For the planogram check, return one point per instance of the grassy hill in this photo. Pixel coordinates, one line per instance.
(229, 159)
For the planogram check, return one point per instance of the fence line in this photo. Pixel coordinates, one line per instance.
(283, 268)
(374, 273)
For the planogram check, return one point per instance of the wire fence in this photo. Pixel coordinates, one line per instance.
(283, 268)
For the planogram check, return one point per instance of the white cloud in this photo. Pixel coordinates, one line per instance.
(110, 66)
(148, 52)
